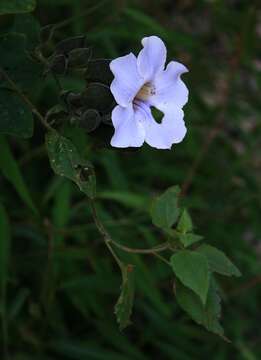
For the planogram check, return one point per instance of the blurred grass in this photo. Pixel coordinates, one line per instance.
(62, 283)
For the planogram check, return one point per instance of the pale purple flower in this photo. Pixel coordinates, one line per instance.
(140, 83)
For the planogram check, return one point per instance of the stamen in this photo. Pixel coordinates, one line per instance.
(145, 92)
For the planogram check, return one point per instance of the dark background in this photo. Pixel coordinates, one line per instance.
(63, 283)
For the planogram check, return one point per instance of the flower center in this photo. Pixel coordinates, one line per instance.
(145, 92)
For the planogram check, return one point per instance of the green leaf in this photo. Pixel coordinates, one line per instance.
(218, 261)
(16, 118)
(185, 223)
(27, 25)
(66, 161)
(165, 211)
(191, 268)
(189, 238)
(206, 315)
(16, 6)
(17, 63)
(5, 240)
(126, 198)
(11, 171)
(123, 308)
(18, 301)
(62, 208)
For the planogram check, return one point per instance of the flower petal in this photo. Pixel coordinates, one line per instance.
(152, 57)
(128, 131)
(127, 80)
(162, 136)
(169, 88)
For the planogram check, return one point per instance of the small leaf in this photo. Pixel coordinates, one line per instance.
(98, 96)
(206, 315)
(56, 115)
(66, 161)
(191, 268)
(79, 57)
(11, 171)
(71, 100)
(90, 120)
(165, 211)
(218, 261)
(189, 238)
(185, 223)
(16, 118)
(99, 71)
(5, 240)
(123, 308)
(15, 7)
(58, 64)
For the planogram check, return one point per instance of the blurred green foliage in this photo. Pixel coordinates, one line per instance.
(58, 295)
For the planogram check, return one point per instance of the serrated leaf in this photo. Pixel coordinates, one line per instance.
(16, 118)
(16, 6)
(218, 261)
(189, 238)
(207, 315)
(185, 223)
(164, 210)
(123, 308)
(192, 269)
(11, 171)
(66, 161)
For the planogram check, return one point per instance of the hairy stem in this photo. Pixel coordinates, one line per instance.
(154, 250)
(108, 241)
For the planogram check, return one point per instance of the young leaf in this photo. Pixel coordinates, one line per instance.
(15, 7)
(123, 308)
(218, 261)
(165, 211)
(11, 171)
(206, 315)
(16, 118)
(5, 239)
(189, 238)
(191, 268)
(66, 161)
(185, 223)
